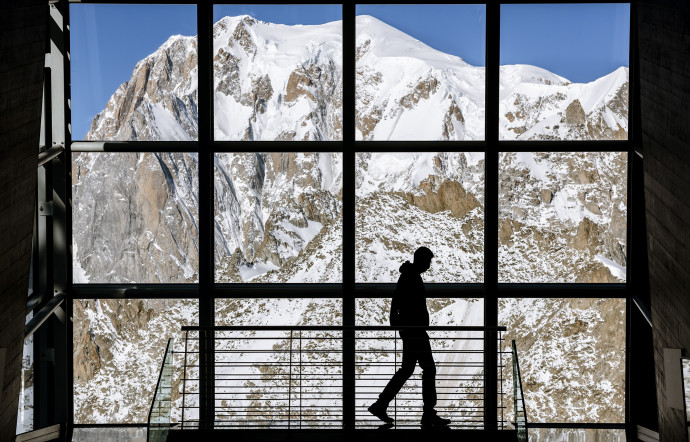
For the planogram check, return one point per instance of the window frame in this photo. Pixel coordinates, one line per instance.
(207, 290)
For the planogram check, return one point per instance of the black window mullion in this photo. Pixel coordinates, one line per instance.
(205, 158)
(491, 215)
(349, 36)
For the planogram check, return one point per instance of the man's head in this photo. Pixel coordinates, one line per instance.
(422, 258)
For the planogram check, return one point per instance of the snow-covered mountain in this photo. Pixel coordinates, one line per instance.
(407, 90)
(271, 82)
(159, 102)
(279, 82)
(536, 104)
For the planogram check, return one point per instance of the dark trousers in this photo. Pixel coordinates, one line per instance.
(416, 348)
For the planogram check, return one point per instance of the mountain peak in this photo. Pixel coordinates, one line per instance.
(386, 41)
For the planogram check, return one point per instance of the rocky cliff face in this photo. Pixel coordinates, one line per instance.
(278, 217)
(135, 217)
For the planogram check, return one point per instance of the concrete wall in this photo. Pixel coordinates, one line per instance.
(664, 57)
(23, 33)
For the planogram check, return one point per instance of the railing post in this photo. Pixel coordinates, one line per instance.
(490, 380)
(395, 368)
(206, 379)
(501, 378)
(290, 383)
(300, 379)
(184, 375)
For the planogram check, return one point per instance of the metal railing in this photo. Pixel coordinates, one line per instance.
(159, 420)
(519, 399)
(292, 377)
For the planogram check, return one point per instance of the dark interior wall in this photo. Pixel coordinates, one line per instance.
(664, 57)
(23, 33)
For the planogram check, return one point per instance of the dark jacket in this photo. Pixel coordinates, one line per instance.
(408, 306)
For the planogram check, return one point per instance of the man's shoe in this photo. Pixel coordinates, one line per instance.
(380, 412)
(434, 421)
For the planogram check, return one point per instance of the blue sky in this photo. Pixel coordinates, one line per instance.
(579, 42)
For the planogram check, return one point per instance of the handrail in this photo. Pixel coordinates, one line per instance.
(159, 414)
(519, 399)
(340, 328)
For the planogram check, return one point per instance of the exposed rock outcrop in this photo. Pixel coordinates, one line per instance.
(574, 113)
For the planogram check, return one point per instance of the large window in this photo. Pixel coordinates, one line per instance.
(277, 164)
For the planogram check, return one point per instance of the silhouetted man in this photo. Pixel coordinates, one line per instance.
(409, 308)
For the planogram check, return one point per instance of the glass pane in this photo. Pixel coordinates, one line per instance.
(135, 85)
(452, 312)
(408, 200)
(278, 72)
(118, 351)
(572, 358)
(135, 217)
(129, 434)
(562, 217)
(278, 378)
(564, 72)
(458, 356)
(278, 311)
(686, 387)
(25, 408)
(420, 72)
(278, 217)
(576, 434)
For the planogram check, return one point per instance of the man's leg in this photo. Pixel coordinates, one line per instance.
(406, 369)
(426, 362)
